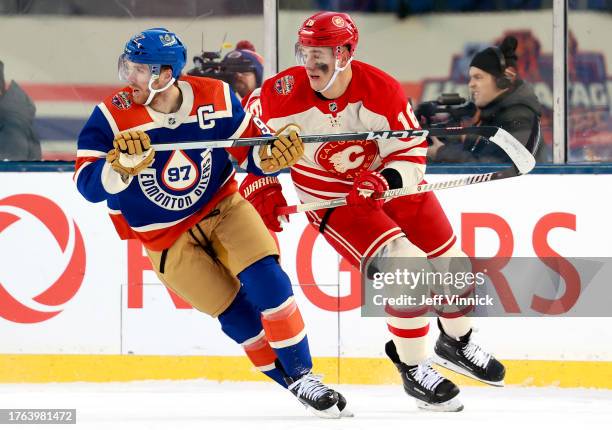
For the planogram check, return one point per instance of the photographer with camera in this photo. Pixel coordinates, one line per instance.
(18, 138)
(502, 100)
(242, 68)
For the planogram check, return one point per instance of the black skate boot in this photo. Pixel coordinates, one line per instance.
(316, 396)
(467, 358)
(432, 391)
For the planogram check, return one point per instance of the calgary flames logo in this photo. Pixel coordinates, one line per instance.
(49, 302)
(347, 158)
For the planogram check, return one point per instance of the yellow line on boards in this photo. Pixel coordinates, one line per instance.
(346, 370)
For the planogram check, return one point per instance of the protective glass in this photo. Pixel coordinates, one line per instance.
(314, 54)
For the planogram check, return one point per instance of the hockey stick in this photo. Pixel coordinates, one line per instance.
(486, 132)
(522, 159)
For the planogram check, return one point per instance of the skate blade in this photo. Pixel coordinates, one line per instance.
(346, 413)
(452, 405)
(331, 413)
(458, 369)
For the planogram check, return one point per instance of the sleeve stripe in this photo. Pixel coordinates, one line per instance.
(81, 166)
(243, 125)
(109, 117)
(417, 150)
(90, 153)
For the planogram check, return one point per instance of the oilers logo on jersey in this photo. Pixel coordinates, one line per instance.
(179, 173)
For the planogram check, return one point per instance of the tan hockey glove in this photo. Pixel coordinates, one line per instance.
(284, 152)
(132, 142)
(132, 153)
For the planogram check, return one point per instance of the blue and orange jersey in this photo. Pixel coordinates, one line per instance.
(181, 186)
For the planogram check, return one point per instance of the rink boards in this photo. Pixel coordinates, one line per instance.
(76, 303)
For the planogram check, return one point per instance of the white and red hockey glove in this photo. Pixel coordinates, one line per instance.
(266, 195)
(360, 200)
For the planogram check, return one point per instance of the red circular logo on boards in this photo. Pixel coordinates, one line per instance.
(63, 289)
(347, 158)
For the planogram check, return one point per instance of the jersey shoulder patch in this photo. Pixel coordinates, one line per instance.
(287, 83)
(285, 92)
(123, 111)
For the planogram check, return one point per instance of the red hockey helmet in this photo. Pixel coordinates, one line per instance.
(329, 29)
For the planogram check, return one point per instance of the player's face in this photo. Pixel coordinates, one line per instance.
(137, 77)
(482, 87)
(244, 83)
(320, 64)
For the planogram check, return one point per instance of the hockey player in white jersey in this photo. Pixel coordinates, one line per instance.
(330, 92)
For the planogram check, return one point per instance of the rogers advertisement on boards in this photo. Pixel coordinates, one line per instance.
(69, 285)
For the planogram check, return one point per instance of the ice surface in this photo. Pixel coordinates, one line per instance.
(244, 406)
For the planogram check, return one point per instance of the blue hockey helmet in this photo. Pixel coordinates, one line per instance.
(156, 47)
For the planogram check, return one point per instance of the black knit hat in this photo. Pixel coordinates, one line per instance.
(488, 60)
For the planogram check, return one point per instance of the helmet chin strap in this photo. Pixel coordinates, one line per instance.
(337, 70)
(153, 91)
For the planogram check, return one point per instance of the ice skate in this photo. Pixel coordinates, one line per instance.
(321, 400)
(467, 358)
(432, 391)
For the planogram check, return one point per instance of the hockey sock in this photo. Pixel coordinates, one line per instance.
(454, 259)
(262, 355)
(269, 288)
(410, 338)
(241, 321)
(456, 327)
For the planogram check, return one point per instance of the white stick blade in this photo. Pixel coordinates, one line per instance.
(520, 156)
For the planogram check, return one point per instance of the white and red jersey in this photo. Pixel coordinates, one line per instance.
(373, 101)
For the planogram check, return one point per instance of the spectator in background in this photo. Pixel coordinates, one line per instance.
(245, 82)
(18, 140)
(503, 100)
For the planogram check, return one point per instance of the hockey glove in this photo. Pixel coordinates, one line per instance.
(284, 152)
(131, 154)
(359, 199)
(265, 194)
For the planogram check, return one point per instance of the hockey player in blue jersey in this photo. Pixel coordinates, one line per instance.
(205, 242)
